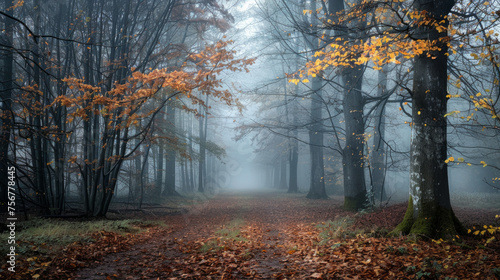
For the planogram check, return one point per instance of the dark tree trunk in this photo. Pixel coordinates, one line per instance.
(317, 187)
(170, 155)
(203, 126)
(137, 176)
(7, 76)
(144, 175)
(293, 143)
(183, 176)
(429, 210)
(191, 165)
(353, 152)
(317, 182)
(89, 184)
(59, 145)
(159, 170)
(38, 153)
(183, 161)
(353, 158)
(201, 162)
(294, 161)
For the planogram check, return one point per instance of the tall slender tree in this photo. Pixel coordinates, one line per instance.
(6, 116)
(317, 185)
(353, 103)
(377, 162)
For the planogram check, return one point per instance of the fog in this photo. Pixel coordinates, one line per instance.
(266, 139)
(195, 99)
(261, 133)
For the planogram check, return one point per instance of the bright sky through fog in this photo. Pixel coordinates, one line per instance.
(247, 25)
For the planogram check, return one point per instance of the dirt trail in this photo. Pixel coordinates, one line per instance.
(266, 220)
(264, 236)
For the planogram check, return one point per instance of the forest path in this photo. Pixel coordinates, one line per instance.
(239, 235)
(274, 235)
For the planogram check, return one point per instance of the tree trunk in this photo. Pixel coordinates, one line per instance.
(353, 158)
(137, 176)
(171, 155)
(190, 150)
(276, 176)
(294, 162)
(293, 144)
(429, 211)
(159, 170)
(317, 187)
(39, 154)
(203, 122)
(6, 95)
(283, 181)
(377, 163)
(183, 176)
(60, 144)
(144, 175)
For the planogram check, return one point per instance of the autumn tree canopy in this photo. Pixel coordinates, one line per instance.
(91, 82)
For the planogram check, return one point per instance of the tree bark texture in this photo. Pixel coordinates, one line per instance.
(429, 210)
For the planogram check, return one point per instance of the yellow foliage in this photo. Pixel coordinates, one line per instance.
(455, 112)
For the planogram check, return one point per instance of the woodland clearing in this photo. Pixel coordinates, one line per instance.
(266, 235)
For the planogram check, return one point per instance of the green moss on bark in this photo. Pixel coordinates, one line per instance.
(405, 226)
(432, 222)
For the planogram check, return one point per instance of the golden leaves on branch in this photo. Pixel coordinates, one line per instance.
(390, 42)
(379, 50)
(16, 4)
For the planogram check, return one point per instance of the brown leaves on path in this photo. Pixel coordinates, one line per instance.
(274, 236)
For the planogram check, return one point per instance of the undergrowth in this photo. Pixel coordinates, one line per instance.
(340, 228)
(45, 236)
(228, 233)
(343, 228)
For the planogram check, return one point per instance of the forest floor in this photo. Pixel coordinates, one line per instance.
(270, 235)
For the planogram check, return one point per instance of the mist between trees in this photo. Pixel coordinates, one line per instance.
(129, 102)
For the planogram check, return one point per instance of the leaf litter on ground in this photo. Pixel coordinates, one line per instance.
(267, 237)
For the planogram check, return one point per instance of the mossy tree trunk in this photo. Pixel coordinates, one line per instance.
(429, 210)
